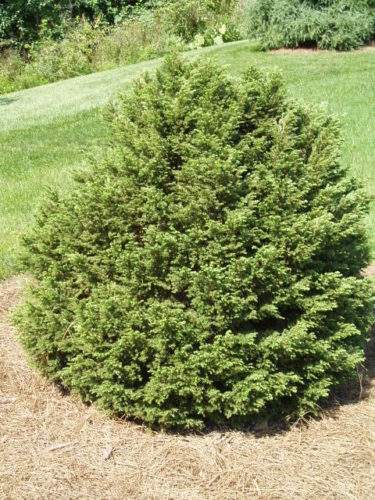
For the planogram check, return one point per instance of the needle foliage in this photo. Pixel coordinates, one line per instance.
(326, 24)
(206, 268)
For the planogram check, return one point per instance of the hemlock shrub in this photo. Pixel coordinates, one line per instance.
(326, 24)
(206, 269)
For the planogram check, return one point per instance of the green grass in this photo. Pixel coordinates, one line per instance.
(46, 132)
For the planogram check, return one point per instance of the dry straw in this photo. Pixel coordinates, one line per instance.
(53, 446)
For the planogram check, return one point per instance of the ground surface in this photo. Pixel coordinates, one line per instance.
(54, 447)
(46, 133)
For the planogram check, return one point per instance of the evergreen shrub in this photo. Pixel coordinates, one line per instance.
(206, 268)
(326, 24)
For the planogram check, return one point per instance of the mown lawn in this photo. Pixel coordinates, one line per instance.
(47, 133)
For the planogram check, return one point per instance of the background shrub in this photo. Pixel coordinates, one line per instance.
(206, 269)
(339, 24)
(21, 20)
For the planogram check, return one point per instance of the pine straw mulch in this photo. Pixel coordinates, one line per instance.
(54, 447)
(311, 51)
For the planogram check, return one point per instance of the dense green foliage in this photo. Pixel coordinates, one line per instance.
(206, 268)
(327, 24)
(21, 20)
(24, 21)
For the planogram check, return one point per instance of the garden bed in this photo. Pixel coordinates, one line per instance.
(53, 446)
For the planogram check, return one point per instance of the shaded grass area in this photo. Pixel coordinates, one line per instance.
(47, 132)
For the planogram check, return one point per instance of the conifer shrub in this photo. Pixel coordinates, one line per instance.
(326, 24)
(206, 268)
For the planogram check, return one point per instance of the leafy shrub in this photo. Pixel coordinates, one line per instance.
(26, 21)
(341, 25)
(21, 20)
(207, 267)
(50, 60)
(137, 39)
(72, 56)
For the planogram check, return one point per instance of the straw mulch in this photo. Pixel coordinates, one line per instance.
(54, 447)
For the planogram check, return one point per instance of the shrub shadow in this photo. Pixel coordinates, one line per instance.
(348, 393)
(358, 389)
(4, 101)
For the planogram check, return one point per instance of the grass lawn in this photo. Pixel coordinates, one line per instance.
(46, 132)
